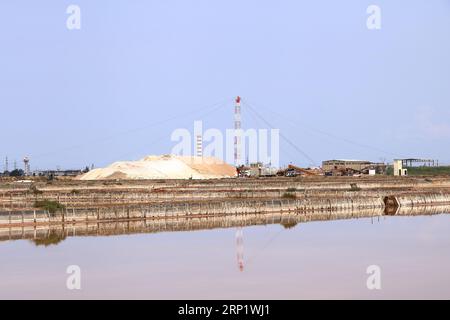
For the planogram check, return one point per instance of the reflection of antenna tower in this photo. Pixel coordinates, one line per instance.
(26, 163)
(237, 133)
(240, 248)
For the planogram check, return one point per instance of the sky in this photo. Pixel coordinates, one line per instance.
(136, 70)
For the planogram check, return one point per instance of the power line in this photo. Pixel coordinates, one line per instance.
(358, 144)
(133, 130)
(286, 139)
(159, 137)
(259, 125)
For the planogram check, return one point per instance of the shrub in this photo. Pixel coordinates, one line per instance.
(288, 195)
(35, 190)
(50, 206)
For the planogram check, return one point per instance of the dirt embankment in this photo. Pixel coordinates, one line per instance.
(104, 194)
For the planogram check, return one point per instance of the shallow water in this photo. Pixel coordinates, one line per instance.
(310, 260)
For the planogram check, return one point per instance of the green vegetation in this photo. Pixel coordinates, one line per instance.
(16, 173)
(428, 171)
(423, 171)
(291, 189)
(354, 187)
(390, 171)
(50, 206)
(288, 195)
(35, 190)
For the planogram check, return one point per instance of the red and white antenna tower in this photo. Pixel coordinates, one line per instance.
(237, 133)
(238, 162)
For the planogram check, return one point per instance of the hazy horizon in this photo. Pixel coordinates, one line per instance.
(137, 70)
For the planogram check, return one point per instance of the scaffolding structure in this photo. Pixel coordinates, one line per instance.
(415, 162)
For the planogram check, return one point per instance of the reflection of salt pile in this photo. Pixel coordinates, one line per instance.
(164, 167)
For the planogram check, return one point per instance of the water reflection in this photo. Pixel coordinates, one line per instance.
(240, 248)
(46, 235)
(53, 238)
(286, 256)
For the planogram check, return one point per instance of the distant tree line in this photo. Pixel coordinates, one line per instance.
(14, 173)
(21, 173)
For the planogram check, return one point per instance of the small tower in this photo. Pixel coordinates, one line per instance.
(199, 146)
(26, 162)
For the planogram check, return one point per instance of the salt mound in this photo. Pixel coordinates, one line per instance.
(164, 167)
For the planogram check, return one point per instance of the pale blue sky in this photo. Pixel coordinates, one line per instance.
(72, 98)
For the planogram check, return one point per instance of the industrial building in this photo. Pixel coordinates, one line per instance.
(347, 167)
(398, 168)
(401, 165)
(416, 162)
(58, 173)
(257, 169)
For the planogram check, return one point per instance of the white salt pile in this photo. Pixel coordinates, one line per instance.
(164, 167)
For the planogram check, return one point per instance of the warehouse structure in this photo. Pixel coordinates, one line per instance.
(416, 162)
(398, 168)
(348, 167)
(401, 165)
